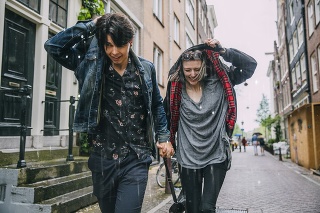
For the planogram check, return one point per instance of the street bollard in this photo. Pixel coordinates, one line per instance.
(280, 155)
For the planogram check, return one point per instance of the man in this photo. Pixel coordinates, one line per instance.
(255, 144)
(119, 104)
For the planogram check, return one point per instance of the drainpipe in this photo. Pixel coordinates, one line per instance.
(306, 48)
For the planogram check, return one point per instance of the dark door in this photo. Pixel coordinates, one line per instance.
(17, 70)
(52, 104)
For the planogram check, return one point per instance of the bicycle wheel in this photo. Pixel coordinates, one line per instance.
(161, 175)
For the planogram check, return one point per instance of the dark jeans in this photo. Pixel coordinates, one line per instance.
(202, 187)
(119, 184)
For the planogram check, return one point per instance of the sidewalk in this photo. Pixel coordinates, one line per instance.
(264, 184)
(253, 184)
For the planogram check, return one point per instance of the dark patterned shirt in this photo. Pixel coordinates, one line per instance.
(123, 116)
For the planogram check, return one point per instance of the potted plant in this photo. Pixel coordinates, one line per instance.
(90, 9)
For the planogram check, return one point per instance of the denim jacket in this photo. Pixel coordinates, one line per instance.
(76, 48)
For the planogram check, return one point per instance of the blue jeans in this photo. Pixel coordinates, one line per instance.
(119, 184)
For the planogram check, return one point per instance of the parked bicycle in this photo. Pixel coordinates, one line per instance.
(161, 174)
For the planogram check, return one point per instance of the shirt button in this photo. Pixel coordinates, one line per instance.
(115, 156)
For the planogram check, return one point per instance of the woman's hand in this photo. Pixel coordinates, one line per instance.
(215, 44)
(165, 149)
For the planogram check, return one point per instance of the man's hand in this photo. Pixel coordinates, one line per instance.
(165, 149)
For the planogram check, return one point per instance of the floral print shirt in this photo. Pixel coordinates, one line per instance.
(122, 127)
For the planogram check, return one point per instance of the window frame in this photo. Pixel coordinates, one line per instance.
(158, 9)
(158, 64)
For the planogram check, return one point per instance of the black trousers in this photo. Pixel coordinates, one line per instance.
(119, 184)
(202, 187)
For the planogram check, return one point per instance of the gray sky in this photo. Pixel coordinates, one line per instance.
(249, 26)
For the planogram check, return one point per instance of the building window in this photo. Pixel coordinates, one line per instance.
(290, 51)
(176, 33)
(136, 40)
(294, 79)
(201, 13)
(298, 73)
(310, 18)
(189, 42)
(291, 12)
(314, 72)
(58, 10)
(32, 4)
(190, 11)
(295, 42)
(303, 68)
(317, 10)
(157, 61)
(300, 33)
(157, 9)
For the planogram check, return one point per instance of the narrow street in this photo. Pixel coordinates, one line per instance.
(263, 184)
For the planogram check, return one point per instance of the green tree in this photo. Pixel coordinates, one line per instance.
(263, 115)
(277, 130)
(91, 8)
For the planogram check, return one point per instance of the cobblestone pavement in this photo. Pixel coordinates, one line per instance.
(265, 184)
(253, 184)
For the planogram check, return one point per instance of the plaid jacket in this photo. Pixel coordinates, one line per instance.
(243, 67)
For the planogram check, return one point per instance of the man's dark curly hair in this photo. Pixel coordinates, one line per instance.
(117, 25)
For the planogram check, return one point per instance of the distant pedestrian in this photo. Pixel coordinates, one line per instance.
(262, 144)
(244, 143)
(255, 144)
(239, 142)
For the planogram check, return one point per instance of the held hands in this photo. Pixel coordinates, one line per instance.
(215, 44)
(165, 149)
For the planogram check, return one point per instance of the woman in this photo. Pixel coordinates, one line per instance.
(201, 108)
(244, 143)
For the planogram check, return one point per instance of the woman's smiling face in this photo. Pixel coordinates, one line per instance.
(191, 70)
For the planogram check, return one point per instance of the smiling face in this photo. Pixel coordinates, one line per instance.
(191, 70)
(118, 55)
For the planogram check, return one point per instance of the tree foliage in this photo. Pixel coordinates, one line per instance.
(264, 117)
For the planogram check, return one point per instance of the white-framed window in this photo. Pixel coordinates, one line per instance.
(157, 9)
(176, 30)
(298, 74)
(190, 11)
(294, 79)
(291, 12)
(157, 61)
(300, 33)
(136, 41)
(310, 18)
(303, 68)
(201, 13)
(317, 11)
(319, 58)
(314, 72)
(295, 42)
(189, 42)
(291, 51)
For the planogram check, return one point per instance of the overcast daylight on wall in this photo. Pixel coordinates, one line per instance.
(248, 25)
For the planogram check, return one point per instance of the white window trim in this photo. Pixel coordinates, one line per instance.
(314, 72)
(176, 33)
(157, 61)
(157, 9)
